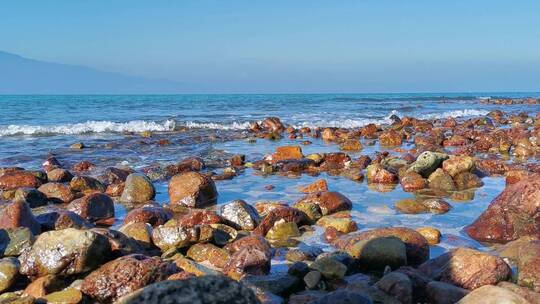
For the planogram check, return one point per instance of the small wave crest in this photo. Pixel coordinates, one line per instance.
(216, 126)
(455, 114)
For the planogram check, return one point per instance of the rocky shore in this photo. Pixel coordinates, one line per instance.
(62, 239)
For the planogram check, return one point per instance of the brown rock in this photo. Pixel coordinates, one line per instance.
(44, 285)
(288, 214)
(273, 124)
(467, 180)
(412, 181)
(316, 186)
(18, 214)
(334, 161)
(351, 145)
(512, 214)
(59, 175)
(329, 202)
(197, 217)
(138, 189)
(378, 175)
(390, 139)
(248, 260)
(57, 192)
(287, 153)
(83, 166)
(86, 184)
(209, 253)
(466, 268)
(95, 207)
(18, 179)
(152, 215)
(192, 189)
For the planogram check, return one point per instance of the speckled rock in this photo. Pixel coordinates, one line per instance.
(9, 270)
(138, 189)
(329, 201)
(57, 192)
(18, 214)
(95, 207)
(152, 215)
(18, 179)
(192, 189)
(240, 215)
(492, 295)
(14, 240)
(427, 163)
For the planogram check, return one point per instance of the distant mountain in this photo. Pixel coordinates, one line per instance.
(19, 75)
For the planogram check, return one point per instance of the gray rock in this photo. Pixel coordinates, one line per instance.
(14, 240)
(240, 215)
(427, 162)
(31, 196)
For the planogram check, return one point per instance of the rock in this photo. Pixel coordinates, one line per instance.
(412, 181)
(141, 232)
(51, 163)
(431, 234)
(66, 296)
(18, 179)
(329, 202)
(279, 283)
(273, 124)
(18, 214)
(467, 180)
(192, 189)
(304, 253)
(317, 186)
(207, 289)
(119, 243)
(440, 180)
(240, 215)
(287, 153)
(444, 293)
(125, 275)
(167, 237)
(61, 219)
(311, 210)
(282, 231)
(335, 161)
(351, 145)
(44, 285)
(152, 215)
(254, 241)
(417, 248)
(427, 163)
(311, 279)
(340, 223)
(13, 241)
(57, 192)
(31, 196)
(378, 175)
(95, 207)
(343, 296)
(398, 285)
(287, 214)
(492, 295)
(138, 189)
(466, 268)
(512, 214)
(217, 257)
(329, 267)
(9, 271)
(378, 252)
(65, 252)
(531, 296)
(529, 265)
(86, 184)
(390, 138)
(248, 260)
(458, 164)
(115, 175)
(414, 206)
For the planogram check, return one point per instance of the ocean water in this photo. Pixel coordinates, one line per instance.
(214, 127)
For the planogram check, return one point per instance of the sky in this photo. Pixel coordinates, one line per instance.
(289, 46)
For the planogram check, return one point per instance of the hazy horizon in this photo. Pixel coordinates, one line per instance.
(279, 47)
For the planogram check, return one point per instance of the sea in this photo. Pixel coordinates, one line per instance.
(214, 127)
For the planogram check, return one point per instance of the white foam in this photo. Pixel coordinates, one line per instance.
(216, 126)
(455, 114)
(90, 127)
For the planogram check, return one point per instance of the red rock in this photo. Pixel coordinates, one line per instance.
(515, 176)
(152, 215)
(316, 186)
(18, 179)
(83, 166)
(95, 207)
(288, 214)
(273, 124)
(378, 175)
(18, 214)
(412, 181)
(390, 138)
(369, 131)
(198, 217)
(248, 260)
(192, 189)
(252, 241)
(512, 214)
(335, 161)
(329, 202)
(287, 153)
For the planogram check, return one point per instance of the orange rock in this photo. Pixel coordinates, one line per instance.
(316, 186)
(287, 152)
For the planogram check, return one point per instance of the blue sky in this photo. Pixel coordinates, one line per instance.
(289, 46)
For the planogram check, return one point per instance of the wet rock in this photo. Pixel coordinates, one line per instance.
(279, 283)
(86, 184)
(343, 296)
(311, 210)
(9, 271)
(141, 232)
(512, 214)
(466, 268)
(491, 167)
(66, 296)
(33, 197)
(138, 189)
(248, 260)
(427, 163)
(51, 163)
(330, 268)
(343, 224)
(152, 215)
(492, 295)
(115, 175)
(119, 243)
(287, 153)
(305, 253)
(431, 234)
(379, 252)
(192, 189)
(515, 176)
(440, 180)
(398, 285)
(167, 237)
(467, 180)
(412, 181)
(18, 214)
(208, 289)
(444, 293)
(417, 248)
(329, 202)
(57, 192)
(65, 252)
(238, 160)
(95, 207)
(390, 138)
(458, 164)
(209, 253)
(188, 164)
(414, 206)
(13, 241)
(273, 124)
(335, 161)
(283, 231)
(83, 166)
(254, 241)
(288, 214)
(240, 215)
(378, 175)
(529, 265)
(125, 275)
(317, 186)
(18, 179)
(531, 296)
(196, 217)
(44, 285)
(351, 145)
(66, 219)
(312, 278)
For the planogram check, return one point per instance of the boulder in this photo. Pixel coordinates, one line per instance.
(141, 232)
(492, 295)
(397, 285)
(138, 189)
(192, 189)
(33, 197)
(390, 138)
(86, 184)
(240, 215)
(378, 175)
(288, 214)
(168, 237)
(329, 267)
(317, 186)
(207, 289)
(287, 153)
(529, 265)
(119, 243)
(414, 206)
(467, 180)
(427, 162)
(58, 192)
(458, 164)
(466, 268)
(18, 214)
(124, 275)
(512, 214)
(18, 179)
(65, 252)
(95, 207)
(209, 253)
(343, 224)
(196, 217)
(329, 202)
(13, 241)
(152, 215)
(276, 283)
(440, 180)
(412, 181)
(431, 234)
